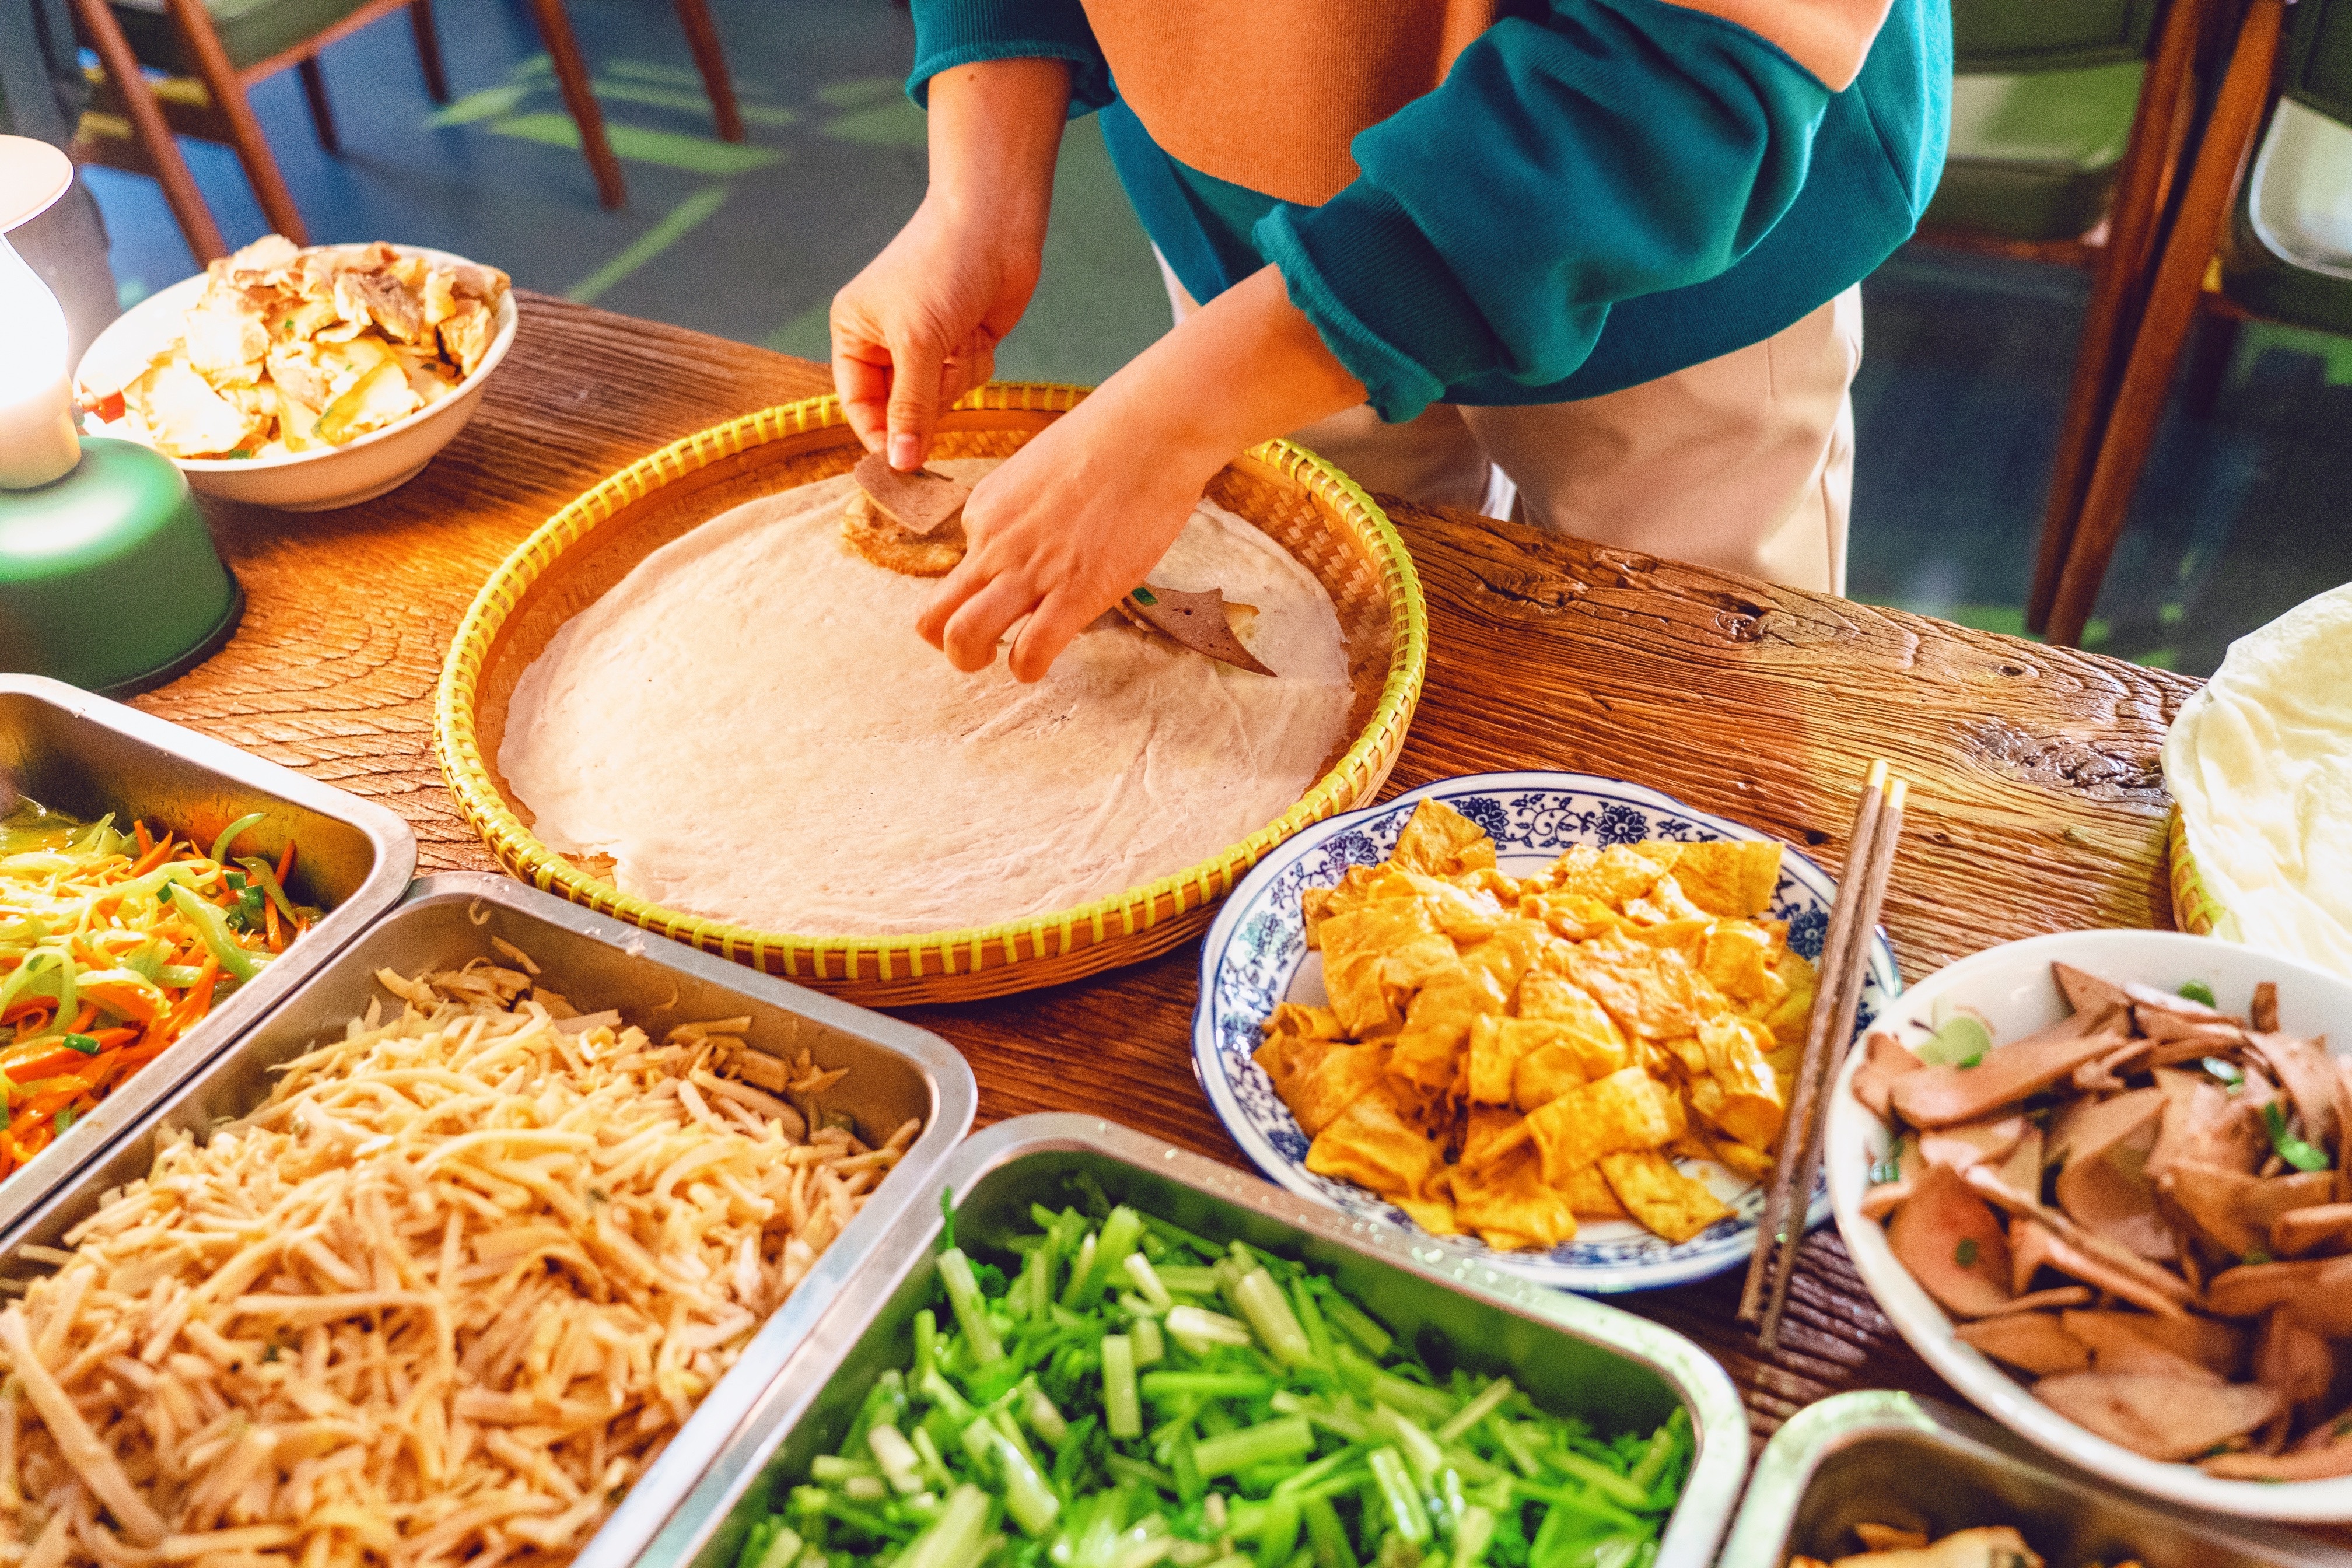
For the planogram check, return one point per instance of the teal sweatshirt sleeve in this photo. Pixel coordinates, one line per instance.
(1612, 148)
(951, 33)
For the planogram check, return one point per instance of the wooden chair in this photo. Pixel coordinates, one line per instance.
(2067, 129)
(2225, 252)
(211, 53)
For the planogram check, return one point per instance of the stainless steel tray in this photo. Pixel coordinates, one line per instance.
(1575, 1354)
(1921, 1465)
(86, 756)
(895, 1071)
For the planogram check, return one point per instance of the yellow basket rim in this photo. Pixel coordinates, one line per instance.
(1125, 913)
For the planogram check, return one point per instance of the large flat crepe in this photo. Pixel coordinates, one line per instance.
(748, 726)
(2260, 762)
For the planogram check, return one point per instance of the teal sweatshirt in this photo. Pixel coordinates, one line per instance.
(1601, 193)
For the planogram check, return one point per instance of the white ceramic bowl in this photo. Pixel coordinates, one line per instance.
(2011, 986)
(340, 476)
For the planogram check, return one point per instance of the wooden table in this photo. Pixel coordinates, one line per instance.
(2037, 805)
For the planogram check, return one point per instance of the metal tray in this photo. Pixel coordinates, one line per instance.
(895, 1071)
(1574, 1355)
(1879, 1456)
(86, 756)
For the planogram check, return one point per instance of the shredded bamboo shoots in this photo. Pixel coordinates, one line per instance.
(442, 1298)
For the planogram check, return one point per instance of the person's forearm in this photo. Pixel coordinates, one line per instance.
(995, 129)
(1243, 369)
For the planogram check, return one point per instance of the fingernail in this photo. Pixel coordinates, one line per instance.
(906, 452)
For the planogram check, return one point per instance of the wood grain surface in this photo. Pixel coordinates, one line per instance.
(2037, 802)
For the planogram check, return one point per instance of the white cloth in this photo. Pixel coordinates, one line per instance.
(2260, 762)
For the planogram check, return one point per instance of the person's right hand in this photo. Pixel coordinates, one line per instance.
(919, 326)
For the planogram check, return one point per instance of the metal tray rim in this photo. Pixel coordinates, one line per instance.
(390, 837)
(1785, 1470)
(1718, 1418)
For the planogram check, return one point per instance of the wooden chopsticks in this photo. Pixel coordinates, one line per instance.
(1845, 970)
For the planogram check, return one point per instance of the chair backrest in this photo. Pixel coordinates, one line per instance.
(2014, 37)
(2315, 61)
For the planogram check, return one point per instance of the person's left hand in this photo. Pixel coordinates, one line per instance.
(1082, 513)
(1060, 534)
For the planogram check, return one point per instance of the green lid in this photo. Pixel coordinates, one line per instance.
(108, 579)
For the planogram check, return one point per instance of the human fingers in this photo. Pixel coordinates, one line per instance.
(973, 632)
(966, 577)
(863, 384)
(918, 364)
(1052, 626)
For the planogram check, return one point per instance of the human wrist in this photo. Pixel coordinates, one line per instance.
(995, 130)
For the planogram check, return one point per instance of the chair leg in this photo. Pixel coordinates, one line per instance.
(2119, 282)
(572, 76)
(703, 36)
(322, 108)
(2239, 111)
(428, 50)
(220, 79)
(187, 203)
(2211, 352)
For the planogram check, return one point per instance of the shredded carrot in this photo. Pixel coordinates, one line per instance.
(88, 1017)
(270, 919)
(139, 830)
(155, 856)
(285, 864)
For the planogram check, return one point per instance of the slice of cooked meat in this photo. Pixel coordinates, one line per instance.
(2102, 1185)
(2161, 1418)
(1884, 1059)
(2216, 1346)
(2100, 1123)
(2253, 1288)
(2264, 1014)
(2056, 1296)
(2101, 1076)
(1885, 1198)
(2235, 1211)
(2023, 1169)
(2301, 1465)
(2299, 1231)
(2177, 1036)
(1944, 1096)
(2030, 1341)
(1985, 1142)
(2147, 999)
(1951, 1241)
(2292, 1358)
(2304, 1068)
(2087, 1255)
(2203, 1123)
(2087, 993)
(2117, 1345)
(2029, 1250)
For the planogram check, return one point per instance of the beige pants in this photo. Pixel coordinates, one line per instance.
(1744, 462)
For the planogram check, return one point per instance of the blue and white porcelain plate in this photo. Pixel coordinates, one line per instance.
(1256, 956)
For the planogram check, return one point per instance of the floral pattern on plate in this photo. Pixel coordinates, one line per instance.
(1257, 955)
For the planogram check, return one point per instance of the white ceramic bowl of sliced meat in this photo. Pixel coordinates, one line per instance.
(2059, 1174)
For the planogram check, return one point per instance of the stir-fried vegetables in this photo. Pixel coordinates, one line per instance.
(1131, 1394)
(113, 945)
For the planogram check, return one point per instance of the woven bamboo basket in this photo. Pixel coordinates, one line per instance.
(1316, 512)
(2195, 910)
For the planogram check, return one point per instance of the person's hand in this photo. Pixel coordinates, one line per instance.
(1080, 515)
(919, 326)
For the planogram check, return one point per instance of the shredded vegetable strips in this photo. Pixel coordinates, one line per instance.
(441, 1298)
(112, 946)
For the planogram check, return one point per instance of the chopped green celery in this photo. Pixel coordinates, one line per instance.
(1284, 1436)
(1666, 1443)
(1161, 1387)
(1268, 1312)
(1277, 1532)
(1485, 1403)
(1180, 1236)
(970, 1308)
(901, 1465)
(1148, 1282)
(1321, 1470)
(1416, 1399)
(1327, 1536)
(1310, 1320)
(1044, 1417)
(1190, 1278)
(1400, 1500)
(952, 1540)
(1032, 1503)
(1598, 1476)
(1032, 1292)
(1122, 1406)
(1197, 1329)
(1352, 1322)
(1185, 1466)
(1420, 1450)
(1150, 1346)
(832, 1467)
(259, 872)
(927, 1343)
(1472, 1532)
(1082, 1267)
(1525, 1451)
(1112, 1244)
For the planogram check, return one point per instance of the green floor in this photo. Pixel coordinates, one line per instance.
(2241, 515)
